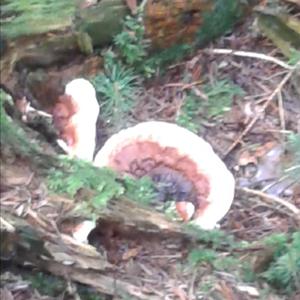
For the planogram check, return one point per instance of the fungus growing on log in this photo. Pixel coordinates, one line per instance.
(74, 116)
(182, 166)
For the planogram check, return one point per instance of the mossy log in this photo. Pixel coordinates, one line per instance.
(37, 235)
(167, 22)
(35, 35)
(24, 143)
(22, 243)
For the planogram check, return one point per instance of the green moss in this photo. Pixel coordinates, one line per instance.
(224, 15)
(220, 96)
(226, 263)
(189, 113)
(75, 175)
(284, 270)
(166, 57)
(247, 273)
(214, 238)
(130, 42)
(47, 284)
(141, 190)
(118, 88)
(198, 256)
(87, 293)
(52, 286)
(24, 17)
(12, 136)
(104, 184)
(194, 109)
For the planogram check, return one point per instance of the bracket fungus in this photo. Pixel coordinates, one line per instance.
(75, 116)
(181, 164)
(183, 167)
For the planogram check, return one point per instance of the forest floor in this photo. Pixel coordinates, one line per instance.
(263, 111)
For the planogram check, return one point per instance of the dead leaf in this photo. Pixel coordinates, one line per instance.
(262, 150)
(253, 155)
(131, 253)
(180, 293)
(246, 157)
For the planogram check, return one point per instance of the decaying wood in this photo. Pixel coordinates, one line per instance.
(62, 256)
(71, 29)
(31, 234)
(32, 219)
(101, 283)
(144, 218)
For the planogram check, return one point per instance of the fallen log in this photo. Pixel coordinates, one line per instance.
(33, 223)
(60, 255)
(51, 34)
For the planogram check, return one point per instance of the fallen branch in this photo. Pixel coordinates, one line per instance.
(252, 55)
(271, 198)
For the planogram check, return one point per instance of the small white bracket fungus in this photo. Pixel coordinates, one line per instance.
(82, 230)
(81, 126)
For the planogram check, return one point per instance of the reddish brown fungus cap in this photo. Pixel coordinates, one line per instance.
(167, 149)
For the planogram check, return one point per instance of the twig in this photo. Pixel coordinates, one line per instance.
(269, 198)
(142, 5)
(36, 218)
(293, 168)
(275, 182)
(29, 179)
(281, 111)
(252, 55)
(5, 225)
(279, 131)
(184, 86)
(192, 284)
(266, 104)
(179, 255)
(39, 112)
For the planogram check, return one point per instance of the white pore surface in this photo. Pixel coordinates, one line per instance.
(84, 94)
(187, 143)
(83, 230)
(190, 209)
